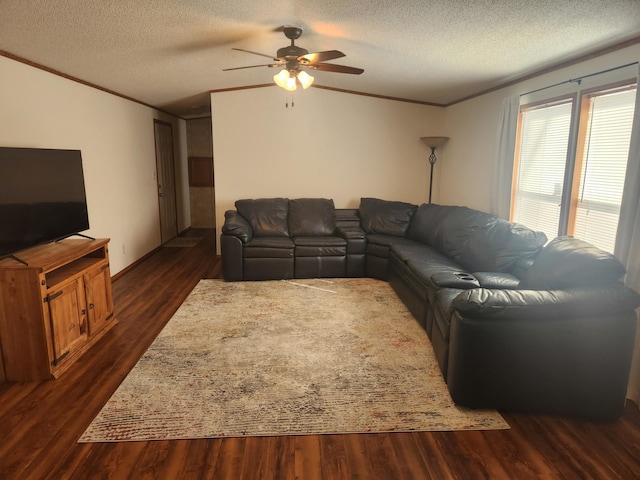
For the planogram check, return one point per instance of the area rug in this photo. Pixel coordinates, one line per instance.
(183, 242)
(295, 357)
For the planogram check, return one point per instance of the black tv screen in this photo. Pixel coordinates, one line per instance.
(42, 197)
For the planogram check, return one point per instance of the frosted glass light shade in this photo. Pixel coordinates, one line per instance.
(305, 79)
(281, 78)
(285, 80)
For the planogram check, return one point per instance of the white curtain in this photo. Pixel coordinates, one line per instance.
(505, 150)
(628, 237)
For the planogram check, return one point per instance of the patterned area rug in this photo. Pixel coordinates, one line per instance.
(292, 357)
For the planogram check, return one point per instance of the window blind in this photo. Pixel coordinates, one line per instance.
(540, 161)
(604, 166)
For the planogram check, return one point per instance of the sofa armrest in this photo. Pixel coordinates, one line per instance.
(355, 237)
(460, 280)
(231, 252)
(552, 351)
(546, 304)
(497, 280)
(577, 366)
(237, 226)
(348, 232)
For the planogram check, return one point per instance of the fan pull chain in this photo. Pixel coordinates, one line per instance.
(286, 103)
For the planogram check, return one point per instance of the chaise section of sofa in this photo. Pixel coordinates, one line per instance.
(552, 351)
(560, 341)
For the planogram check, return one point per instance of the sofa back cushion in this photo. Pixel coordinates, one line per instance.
(311, 217)
(446, 228)
(385, 217)
(570, 262)
(498, 245)
(267, 216)
(478, 241)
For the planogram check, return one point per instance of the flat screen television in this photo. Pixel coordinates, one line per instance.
(42, 197)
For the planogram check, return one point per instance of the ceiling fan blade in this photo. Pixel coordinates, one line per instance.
(252, 66)
(320, 56)
(330, 67)
(256, 53)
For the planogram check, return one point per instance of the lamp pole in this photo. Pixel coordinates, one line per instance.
(433, 143)
(432, 161)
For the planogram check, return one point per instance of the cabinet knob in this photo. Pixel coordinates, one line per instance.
(91, 305)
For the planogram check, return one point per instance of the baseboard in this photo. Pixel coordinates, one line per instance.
(134, 264)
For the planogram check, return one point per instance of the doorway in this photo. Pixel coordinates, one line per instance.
(201, 172)
(165, 166)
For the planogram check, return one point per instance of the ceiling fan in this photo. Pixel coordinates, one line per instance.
(293, 58)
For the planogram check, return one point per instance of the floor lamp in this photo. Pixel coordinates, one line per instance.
(433, 143)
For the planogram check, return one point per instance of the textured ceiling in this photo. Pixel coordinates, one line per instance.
(170, 53)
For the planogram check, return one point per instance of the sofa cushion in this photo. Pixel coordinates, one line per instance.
(570, 262)
(497, 280)
(311, 217)
(267, 216)
(401, 270)
(324, 246)
(496, 246)
(378, 245)
(268, 247)
(422, 260)
(322, 241)
(236, 225)
(385, 217)
(424, 269)
(412, 250)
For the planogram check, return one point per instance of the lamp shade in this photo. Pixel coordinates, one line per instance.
(305, 79)
(285, 80)
(434, 142)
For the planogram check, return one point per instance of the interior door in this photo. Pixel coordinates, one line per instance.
(166, 181)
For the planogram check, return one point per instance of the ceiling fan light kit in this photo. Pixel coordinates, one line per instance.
(293, 58)
(288, 79)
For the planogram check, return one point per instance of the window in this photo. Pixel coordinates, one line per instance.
(570, 164)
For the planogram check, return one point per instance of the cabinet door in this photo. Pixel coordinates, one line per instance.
(97, 284)
(68, 318)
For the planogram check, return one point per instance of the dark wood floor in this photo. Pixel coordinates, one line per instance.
(40, 422)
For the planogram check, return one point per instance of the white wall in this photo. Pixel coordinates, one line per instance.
(331, 144)
(116, 137)
(468, 164)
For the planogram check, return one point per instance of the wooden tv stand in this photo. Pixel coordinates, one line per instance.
(55, 308)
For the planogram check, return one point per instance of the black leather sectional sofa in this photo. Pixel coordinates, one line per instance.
(516, 323)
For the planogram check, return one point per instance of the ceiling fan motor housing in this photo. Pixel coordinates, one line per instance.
(291, 52)
(292, 33)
